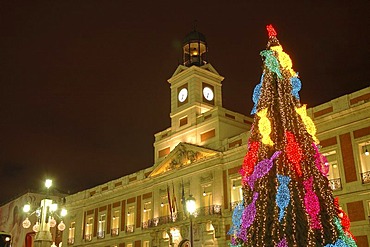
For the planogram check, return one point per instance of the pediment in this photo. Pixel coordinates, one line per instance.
(184, 154)
(207, 67)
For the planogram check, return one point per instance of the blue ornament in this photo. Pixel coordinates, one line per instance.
(237, 218)
(282, 195)
(256, 95)
(271, 62)
(296, 86)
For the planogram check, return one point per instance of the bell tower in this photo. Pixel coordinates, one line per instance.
(195, 85)
(197, 115)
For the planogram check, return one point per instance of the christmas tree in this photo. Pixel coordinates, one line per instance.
(287, 197)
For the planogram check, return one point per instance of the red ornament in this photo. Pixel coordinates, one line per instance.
(293, 152)
(250, 160)
(344, 219)
(271, 31)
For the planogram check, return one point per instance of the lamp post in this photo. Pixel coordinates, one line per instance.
(45, 219)
(190, 207)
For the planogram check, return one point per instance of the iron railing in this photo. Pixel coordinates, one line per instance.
(114, 232)
(181, 216)
(130, 228)
(88, 237)
(71, 241)
(365, 177)
(335, 184)
(234, 204)
(100, 234)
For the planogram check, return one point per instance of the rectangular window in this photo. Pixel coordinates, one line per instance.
(236, 192)
(163, 152)
(115, 223)
(364, 149)
(146, 244)
(101, 226)
(129, 245)
(207, 135)
(147, 214)
(89, 229)
(130, 225)
(333, 175)
(183, 121)
(71, 233)
(207, 201)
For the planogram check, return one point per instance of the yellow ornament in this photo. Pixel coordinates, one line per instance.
(284, 59)
(264, 127)
(310, 126)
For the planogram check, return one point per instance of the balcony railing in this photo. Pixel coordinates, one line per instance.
(88, 237)
(130, 228)
(114, 232)
(365, 177)
(180, 216)
(100, 234)
(335, 184)
(234, 204)
(71, 241)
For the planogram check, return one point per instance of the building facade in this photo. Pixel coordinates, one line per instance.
(200, 155)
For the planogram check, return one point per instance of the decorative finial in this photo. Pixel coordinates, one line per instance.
(271, 31)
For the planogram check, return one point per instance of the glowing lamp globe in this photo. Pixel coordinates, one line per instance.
(190, 205)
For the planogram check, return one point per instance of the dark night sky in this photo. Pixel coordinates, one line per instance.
(83, 84)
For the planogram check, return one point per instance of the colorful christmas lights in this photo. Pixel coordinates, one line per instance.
(250, 159)
(256, 95)
(236, 219)
(264, 127)
(310, 126)
(293, 152)
(282, 243)
(284, 59)
(321, 161)
(248, 216)
(271, 31)
(271, 62)
(312, 205)
(261, 169)
(282, 195)
(296, 86)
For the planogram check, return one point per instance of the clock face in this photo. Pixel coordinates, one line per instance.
(183, 94)
(208, 93)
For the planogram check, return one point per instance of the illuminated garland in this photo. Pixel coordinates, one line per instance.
(261, 169)
(264, 127)
(271, 31)
(236, 218)
(271, 62)
(296, 86)
(312, 205)
(342, 236)
(310, 126)
(344, 219)
(293, 152)
(250, 159)
(321, 161)
(282, 195)
(284, 59)
(282, 243)
(256, 95)
(338, 243)
(248, 216)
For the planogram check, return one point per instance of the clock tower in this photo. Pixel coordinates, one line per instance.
(197, 115)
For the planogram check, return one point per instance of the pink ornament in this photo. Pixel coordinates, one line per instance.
(312, 205)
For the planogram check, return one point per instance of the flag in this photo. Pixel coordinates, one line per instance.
(169, 200)
(174, 201)
(183, 196)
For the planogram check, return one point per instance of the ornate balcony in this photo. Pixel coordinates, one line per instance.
(130, 228)
(114, 232)
(180, 216)
(100, 234)
(365, 177)
(234, 204)
(335, 184)
(71, 241)
(88, 237)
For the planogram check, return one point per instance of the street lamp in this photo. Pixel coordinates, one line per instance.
(190, 207)
(45, 219)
